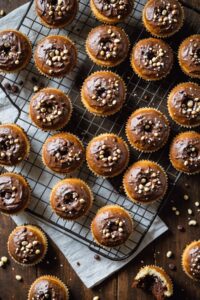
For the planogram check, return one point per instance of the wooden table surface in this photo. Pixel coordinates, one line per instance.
(118, 286)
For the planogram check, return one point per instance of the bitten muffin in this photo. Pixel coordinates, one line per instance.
(55, 56)
(185, 152)
(111, 226)
(154, 280)
(103, 93)
(189, 56)
(184, 104)
(14, 145)
(111, 11)
(107, 155)
(15, 193)
(147, 129)
(63, 153)
(107, 45)
(56, 14)
(50, 109)
(48, 287)
(163, 18)
(15, 51)
(27, 245)
(71, 198)
(191, 260)
(152, 59)
(145, 181)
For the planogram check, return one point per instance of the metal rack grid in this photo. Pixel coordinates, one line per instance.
(139, 94)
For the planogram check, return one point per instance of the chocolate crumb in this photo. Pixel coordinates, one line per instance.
(78, 263)
(172, 267)
(97, 257)
(15, 89)
(180, 228)
(7, 86)
(34, 79)
(21, 82)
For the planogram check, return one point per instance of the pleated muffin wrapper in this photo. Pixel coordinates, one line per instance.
(114, 110)
(124, 167)
(183, 258)
(158, 272)
(179, 170)
(103, 63)
(41, 232)
(172, 117)
(133, 145)
(70, 112)
(150, 201)
(27, 61)
(72, 67)
(49, 277)
(90, 204)
(128, 215)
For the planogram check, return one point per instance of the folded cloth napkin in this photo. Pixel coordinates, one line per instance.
(73, 250)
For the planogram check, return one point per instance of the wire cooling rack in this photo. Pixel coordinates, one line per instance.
(139, 94)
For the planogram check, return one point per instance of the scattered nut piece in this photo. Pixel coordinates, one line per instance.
(196, 203)
(18, 277)
(169, 254)
(185, 197)
(177, 212)
(4, 259)
(35, 88)
(96, 298)
(189, 211)
(192, 223)
(174, 208)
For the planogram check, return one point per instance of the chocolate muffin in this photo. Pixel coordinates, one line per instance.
(185, 152)
(55, 56)
(152, 59)
(103, 93)
(189, 56)
(111, 11)
(14, 145)
(147, 129)
(107, 46)
(15, 51)
(63, 153)
(27, 245)
(56, 13)
(154, 280)
(111, 226)
(50, 109)
(48, 287)
(163, 18)
(145, 182)
(191, 260)
(15, 193)
(71, 198)
(184, 104)
(107, 155)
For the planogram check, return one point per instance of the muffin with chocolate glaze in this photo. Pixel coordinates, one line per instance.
(15, 51)
(163, 18)
(14, 145)
(154, 280)
(191, 260)
(56, 13)
(55, 56)
(63, 153)
(103, 93)
(48, 287)
(189, 56)
(152, 59)
(147, 129)
(111, 226)
(184, 104)
(15, 193)
(71, 198)
(185, 152)
(50, 109)
(27, 245)
(111, 11)
(107, 155)
(145, 182)
(107, 46)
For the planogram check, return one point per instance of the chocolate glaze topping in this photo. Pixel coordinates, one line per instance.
(114, 8)
(194, 260)
(47, 289)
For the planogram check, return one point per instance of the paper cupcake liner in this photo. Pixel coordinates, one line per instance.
(184, 258)
(70, 112)
(89, 206)
(46, 277)
(141, 201)
(133, 145)
(124, 167)
(44, 238)
(110, 113)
